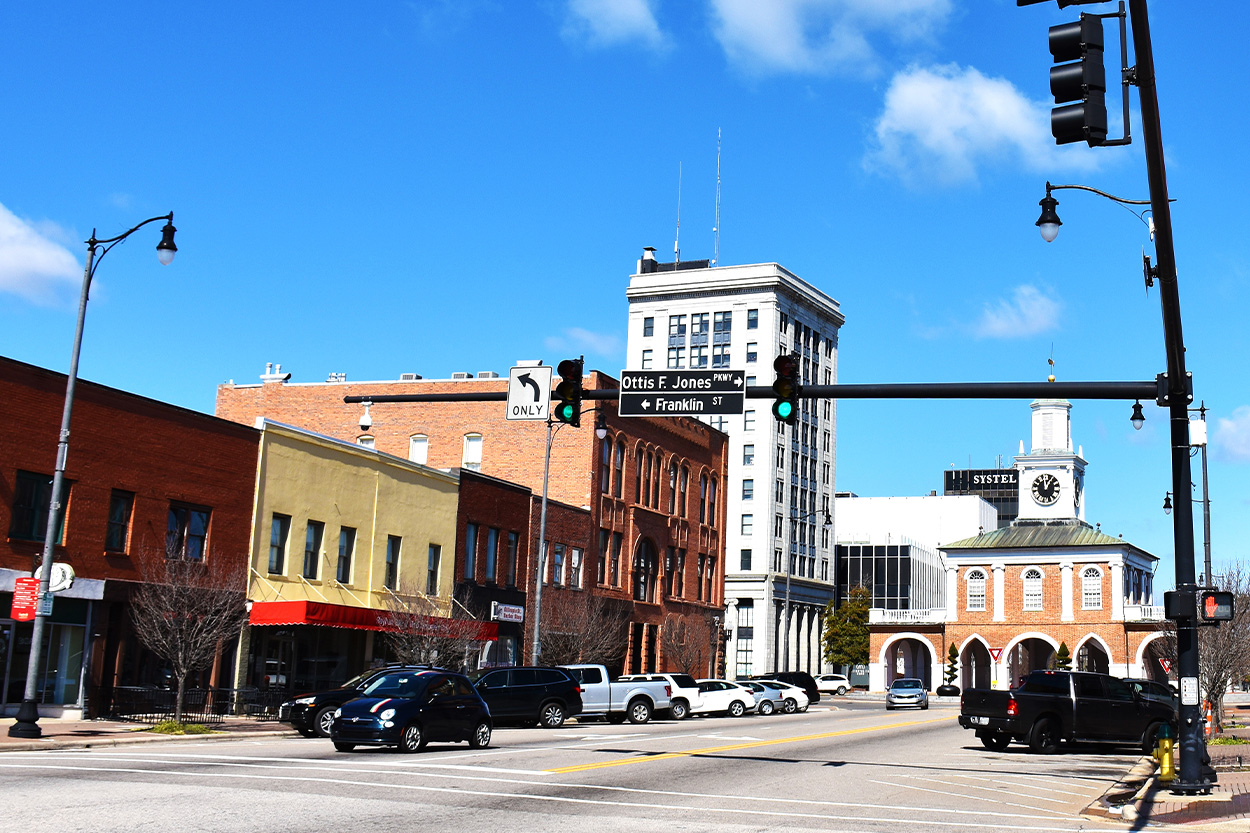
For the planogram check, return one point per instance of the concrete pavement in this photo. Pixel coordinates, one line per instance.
(64, 733)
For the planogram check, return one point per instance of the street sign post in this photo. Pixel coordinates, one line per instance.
(529, 392)
(682, 393)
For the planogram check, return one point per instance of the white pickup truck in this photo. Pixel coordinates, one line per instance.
(618, 701)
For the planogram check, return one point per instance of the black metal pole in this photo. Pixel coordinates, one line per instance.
(1194, 774)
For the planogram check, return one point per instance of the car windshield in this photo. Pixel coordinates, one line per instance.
(398, 684)
(906, 684)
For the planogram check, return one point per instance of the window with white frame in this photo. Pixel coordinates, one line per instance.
(473, 452)
(748, 454)
(976, 590)
(748, 524)
(1091, 589)
(1032, 589)
(752, 351)
(646, 359)
(418, 448)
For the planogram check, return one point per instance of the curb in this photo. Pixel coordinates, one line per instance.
(1119, 802)
(137, 737)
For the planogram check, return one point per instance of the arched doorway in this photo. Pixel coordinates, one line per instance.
(1030, 654)
(1091, 656)
(909, 657)
(1158, 659)
(974, 665)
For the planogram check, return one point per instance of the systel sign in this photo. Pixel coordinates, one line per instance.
(25, 599)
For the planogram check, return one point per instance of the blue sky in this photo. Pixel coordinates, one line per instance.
(443, 185)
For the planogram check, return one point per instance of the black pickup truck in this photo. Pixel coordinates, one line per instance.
(1055, 706)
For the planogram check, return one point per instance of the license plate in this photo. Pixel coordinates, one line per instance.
(981, 721)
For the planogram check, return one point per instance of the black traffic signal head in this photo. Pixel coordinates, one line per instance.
(1080, 78)
(786, 388)
(568, 407)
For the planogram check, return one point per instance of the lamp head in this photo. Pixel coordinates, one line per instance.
(1138, 418)
(366, 420)
(165, 250)
(1167, 503)
(1049, 222)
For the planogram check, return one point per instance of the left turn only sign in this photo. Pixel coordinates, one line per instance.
(529, 392)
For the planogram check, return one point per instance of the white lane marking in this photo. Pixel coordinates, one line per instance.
(969, 797)
(563, 799)
(999, 791)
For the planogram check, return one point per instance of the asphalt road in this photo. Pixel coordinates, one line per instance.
(855, 768)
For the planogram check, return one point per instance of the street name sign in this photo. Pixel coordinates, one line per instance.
(682, 393)
(529, 392)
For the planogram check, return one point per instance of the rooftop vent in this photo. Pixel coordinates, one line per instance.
(337, 377)
(487, 374)
(461, 375)
(409, 377)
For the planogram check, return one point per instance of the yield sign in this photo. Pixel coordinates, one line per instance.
(996, 653)
(1167, 665)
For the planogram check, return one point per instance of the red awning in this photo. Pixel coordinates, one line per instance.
(342, 616)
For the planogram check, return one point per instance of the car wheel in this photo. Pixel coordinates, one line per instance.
(790, 706)
(324, 721)
(765, 707)
(1044, 739)
(412, 739)
(639, 711)
(679, 709)
(1150, 738)
(344, 747)
(551, 716)
(841, 689)
(736, 709)
(995, 741)
(480, 739)
(924, 707)
(888, 707)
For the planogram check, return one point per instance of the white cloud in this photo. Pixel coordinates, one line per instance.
(1232, 436)
(820, 36)
(941, 123)
(34, 261)
(612, 22)
(575, 339)
(1028, 312)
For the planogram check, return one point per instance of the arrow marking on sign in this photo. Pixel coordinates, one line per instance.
(646, 403)
(525, 379)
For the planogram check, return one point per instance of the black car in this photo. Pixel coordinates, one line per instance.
(801, 679)
(408, 709)
(528, 695)
(312, 714)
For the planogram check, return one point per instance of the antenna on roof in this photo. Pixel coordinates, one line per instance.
(677, 240)
(716, 227)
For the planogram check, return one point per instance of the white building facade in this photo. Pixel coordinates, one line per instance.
(779, 549)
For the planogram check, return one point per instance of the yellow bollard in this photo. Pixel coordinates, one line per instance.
(1163, 753)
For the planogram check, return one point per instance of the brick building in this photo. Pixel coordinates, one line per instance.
(1014, 595)
(651, 490)
(142, 475)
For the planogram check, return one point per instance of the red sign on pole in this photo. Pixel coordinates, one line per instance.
(996, 653)
(1167, 665)
(25, 599)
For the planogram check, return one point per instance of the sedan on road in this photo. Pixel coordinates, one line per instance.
(312, 714)
(724, 697)
(767, 699)
(793, 698)
(907, 692)
(408, 709)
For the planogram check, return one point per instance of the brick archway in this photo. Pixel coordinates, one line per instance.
(975, 664)
(913, 652)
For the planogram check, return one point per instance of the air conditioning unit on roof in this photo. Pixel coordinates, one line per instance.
(461, 375)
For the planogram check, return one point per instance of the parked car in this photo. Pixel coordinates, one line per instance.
(907, 692)
(801, 679)
(724, 697)
(684, 692)
(313, 714)
(767, 698)
(528, 695)
(620, 700)
(793, 698)
(1159, 692)
(408, 709)
(833, 684)
(1056, 706)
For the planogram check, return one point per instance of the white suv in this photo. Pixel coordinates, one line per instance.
(685, 698)
(833, 683)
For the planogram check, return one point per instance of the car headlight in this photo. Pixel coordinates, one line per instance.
(387, 714)
(304, 701)
(338, 712)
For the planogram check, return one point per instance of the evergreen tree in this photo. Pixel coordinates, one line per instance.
(952, 664)
(846, 629)
(1063, 657)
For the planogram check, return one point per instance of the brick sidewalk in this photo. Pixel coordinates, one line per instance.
(61, 733)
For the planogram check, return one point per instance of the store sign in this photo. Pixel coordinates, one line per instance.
(507, 613)
(25, 599)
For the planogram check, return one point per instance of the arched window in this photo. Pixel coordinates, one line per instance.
(644, 572)
(605, 465)
(638, 461)
(472, 452)
(418, 448)
(619, 480)
(976, 590)
(1032, 589)
(1091, 589)
(703, 498)
(672, 486)
(645, 500)
(655, 482)
(685, 478)
(711, 504)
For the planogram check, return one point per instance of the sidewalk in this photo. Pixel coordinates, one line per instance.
(65, 733)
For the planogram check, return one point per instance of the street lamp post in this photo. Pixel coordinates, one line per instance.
(27, 723)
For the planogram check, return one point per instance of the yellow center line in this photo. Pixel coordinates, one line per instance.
(713, 750)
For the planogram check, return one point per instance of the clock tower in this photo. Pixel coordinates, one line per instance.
(1052, 476)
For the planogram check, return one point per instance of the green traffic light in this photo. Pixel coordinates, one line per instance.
(564, 412)
(783, 409)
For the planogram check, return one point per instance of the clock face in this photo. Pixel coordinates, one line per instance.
(1076, 496)
(1045, 489)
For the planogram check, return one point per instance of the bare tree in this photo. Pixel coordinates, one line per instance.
(186, 609)
(579, 627)
(425, 630)
(685, 644)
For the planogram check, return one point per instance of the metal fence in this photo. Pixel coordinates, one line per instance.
(144, 704)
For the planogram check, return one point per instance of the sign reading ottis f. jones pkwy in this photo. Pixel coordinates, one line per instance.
(681, 393)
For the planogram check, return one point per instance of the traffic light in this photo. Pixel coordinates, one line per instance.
(786, 388)
(569, 409)
(1083, 81)
(1215, 606)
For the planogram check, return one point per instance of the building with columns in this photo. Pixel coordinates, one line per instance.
(1014, 595)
